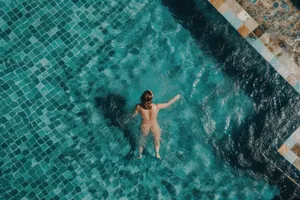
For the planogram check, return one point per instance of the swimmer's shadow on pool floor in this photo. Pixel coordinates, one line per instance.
(113, 108)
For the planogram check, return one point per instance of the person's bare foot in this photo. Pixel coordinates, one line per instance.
(140, 156)
(158, 156)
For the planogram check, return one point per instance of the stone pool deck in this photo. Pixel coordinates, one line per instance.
(270, 26)
(290, 149)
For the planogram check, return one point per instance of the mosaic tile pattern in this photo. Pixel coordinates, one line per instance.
(264, 31)
(55, 145)
(290, 149)
(44, 45)
(280, 19)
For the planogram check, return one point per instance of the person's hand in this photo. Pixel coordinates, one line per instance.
(177, 97)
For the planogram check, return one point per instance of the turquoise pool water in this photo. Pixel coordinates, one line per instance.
(71, 73)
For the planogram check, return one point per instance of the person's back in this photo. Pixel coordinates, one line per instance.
(149, 112)
(149, 115)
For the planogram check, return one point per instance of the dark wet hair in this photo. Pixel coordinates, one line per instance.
(146, 99)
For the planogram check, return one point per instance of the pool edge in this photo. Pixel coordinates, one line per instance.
(262, 42)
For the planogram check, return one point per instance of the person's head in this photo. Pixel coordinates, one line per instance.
(146, 99)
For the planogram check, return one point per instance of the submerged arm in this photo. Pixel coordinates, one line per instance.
(136, 111)
(165, 105)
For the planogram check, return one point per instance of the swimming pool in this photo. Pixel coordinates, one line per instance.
(71, 74)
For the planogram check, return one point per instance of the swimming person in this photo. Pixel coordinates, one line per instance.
(149, 111)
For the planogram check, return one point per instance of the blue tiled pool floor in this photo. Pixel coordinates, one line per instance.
(71, 70)
(46, 47)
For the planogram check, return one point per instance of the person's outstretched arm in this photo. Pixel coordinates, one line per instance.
(136, 111)
(165, 105)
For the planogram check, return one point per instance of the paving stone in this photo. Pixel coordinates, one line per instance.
(266, 39)
(243, 30)
(223, 8)
(296, 149)
(290, 156)
(251, 24)
(297, 163)
(243, 16)
(217, 3)
(283, 149)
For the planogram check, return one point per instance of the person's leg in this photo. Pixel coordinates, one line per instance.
(156, 136)
(144, 133)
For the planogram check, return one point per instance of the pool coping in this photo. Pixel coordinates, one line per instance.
(290, 149)
(262, 42)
